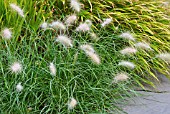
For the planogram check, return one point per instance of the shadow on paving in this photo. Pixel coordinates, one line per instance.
(154, 101)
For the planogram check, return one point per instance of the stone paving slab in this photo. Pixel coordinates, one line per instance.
(151, 102)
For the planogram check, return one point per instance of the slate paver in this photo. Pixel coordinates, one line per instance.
(151, 102)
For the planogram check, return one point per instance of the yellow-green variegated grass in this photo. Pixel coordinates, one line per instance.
(148, 20)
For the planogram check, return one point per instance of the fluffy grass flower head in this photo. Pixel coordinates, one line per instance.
(44, 25)
(6, 34)
(67, 42)
(58, 25)
(128, 51)
(71, 19)
(94, 57)
(88, 22)
(127, 64)
(17, 9)
(75, 4)
(72, 103)
(121, 77)
(128, 36)
(164, 56)
(84, 27)
(87, 47)
(106, 22)
(52, 69)
(142, 45)
(16, 67)
(19, 87)
(94, 36)
(91, 53)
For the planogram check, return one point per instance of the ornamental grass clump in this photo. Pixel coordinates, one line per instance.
(77, 54)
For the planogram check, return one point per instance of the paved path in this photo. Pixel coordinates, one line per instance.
(151, 102)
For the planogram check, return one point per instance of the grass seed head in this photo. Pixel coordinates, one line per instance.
(72, 103)
(52, 69)
(19, 87)
(58, 25)
(90, 52)
(65, 40)
(142, 45)
(88, 22)
(16, 67)
(106, 22)
(84, 27)
(164, 56)
(75, 5)
(94, 36)
(6, 34)
(17, 9)
(127, 64)
(128, 51)
(94, 57)
(121, 77)
(87, 47)
(128, 36)
(44, 25)
(71, 19)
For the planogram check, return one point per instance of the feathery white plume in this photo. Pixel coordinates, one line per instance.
(44, 25)
(71, 19)
(164, 56)
(87, 47)
(17, 9)
(128, 36)
(72, 103)
(121, 77)
(83, 27)
(143, 46)
(94, 36)
(75, 5)
(6, 34)
(165, 4)
(16, 67)
(58, 25)
(88, 22)
(106, 22)
(94, 57)
(127, 64)
(128, 51)
(52, 69)
(64, 40)
(19, 87)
